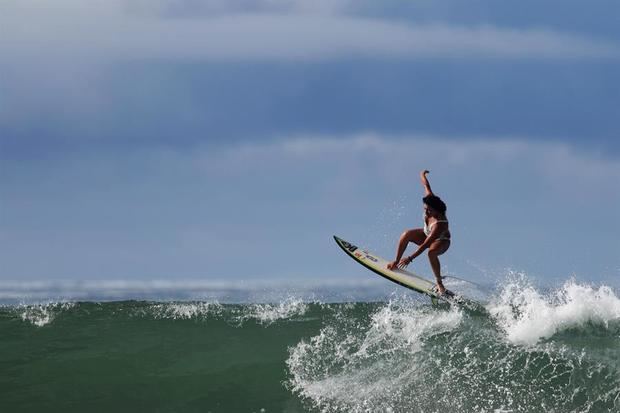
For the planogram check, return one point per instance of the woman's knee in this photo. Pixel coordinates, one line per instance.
(413, 235)
(437, 249)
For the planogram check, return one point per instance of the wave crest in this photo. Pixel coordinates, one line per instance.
(43, 314)
(354, 366)
(528, 316)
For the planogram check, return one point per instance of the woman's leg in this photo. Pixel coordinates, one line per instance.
(416, 236)
(435, 250)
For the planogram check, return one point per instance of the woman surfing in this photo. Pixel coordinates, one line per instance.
(435, 236)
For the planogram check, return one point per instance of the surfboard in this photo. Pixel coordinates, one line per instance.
(405, 278)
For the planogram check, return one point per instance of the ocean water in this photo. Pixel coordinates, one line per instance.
(524, 350)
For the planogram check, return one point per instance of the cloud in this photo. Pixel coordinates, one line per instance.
(248, 209)
(76, 68)
(112, 32)
(215, 7)
(560, 166)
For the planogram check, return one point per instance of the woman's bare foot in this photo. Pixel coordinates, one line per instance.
(440, 288)
(392, 265)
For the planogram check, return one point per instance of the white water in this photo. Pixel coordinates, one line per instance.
(262, 313)
(43, 314)
(183, 311)
(527, 315)
(367, 367)
(409, 356)
(270, 313)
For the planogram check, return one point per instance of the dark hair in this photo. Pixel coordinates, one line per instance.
(435, 202)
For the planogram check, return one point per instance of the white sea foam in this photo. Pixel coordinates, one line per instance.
(237, 314)
(366, 367)
(269, 313)
(407, 357)
(526, 315)
(184, 311)
(43, 314)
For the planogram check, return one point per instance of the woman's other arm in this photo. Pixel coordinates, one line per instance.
(427, 186)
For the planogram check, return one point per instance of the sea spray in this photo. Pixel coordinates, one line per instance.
(295, 354)
(262, 313)
(353, 365)
(184, 311)
(270, 313)
(413, 357)
(42, 314)
(527, 315)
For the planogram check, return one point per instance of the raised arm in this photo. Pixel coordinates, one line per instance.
(427, 186)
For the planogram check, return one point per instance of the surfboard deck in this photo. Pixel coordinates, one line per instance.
(405, 278)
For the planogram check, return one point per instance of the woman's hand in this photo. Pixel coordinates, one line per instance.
(425, 184)
(401, 264)
(404, 262)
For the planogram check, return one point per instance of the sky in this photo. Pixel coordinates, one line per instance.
(231, 139)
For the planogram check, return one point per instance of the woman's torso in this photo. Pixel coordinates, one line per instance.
(429, 223)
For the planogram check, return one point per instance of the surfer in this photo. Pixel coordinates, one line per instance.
(435, 236)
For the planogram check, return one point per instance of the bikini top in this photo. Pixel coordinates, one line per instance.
(429, 228)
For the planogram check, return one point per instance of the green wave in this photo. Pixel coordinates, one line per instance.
(295, 355)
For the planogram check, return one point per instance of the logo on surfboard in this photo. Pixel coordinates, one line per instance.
(347, 246)
(359, 254)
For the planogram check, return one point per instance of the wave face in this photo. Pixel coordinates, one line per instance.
(525, 351)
